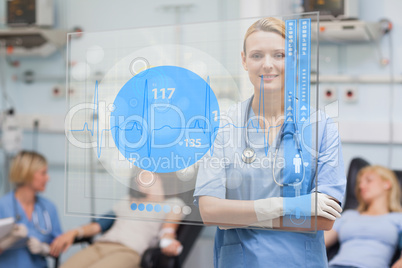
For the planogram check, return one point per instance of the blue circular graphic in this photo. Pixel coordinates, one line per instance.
(141, 207)
(166, 208)
(298, 217)
(133, 206)
(158, 208)
(150, 207)
(173, 122)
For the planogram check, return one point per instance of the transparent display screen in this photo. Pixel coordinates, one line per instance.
(160, 117)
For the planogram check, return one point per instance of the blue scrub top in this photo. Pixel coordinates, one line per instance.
(224, 175)
(19, 256)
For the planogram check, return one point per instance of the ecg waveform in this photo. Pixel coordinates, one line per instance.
(261, 110)
(136, 126)
(91, 130)
(198, 124)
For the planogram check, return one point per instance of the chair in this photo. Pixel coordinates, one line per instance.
(355, 165)
(55, 261)
(351, 202)
(187, 235)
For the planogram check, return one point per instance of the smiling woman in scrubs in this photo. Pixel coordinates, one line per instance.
(29, 173)
(233, 194)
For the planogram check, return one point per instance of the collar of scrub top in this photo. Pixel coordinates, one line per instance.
(45, 213)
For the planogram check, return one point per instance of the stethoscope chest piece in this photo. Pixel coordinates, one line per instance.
(248, 155)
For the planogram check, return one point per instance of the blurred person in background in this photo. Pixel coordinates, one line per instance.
(368, 236)
(36, 222)
(123, 240)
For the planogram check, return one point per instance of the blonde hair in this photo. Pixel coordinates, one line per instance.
(24, 165)
(268, 24)
(394, 195)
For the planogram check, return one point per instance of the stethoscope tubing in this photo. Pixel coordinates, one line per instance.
(46, 216)
(250, 159)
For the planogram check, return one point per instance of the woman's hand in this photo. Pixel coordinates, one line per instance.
(330, 237)
(18, 232)
(38, 248)
(62, 243)
(397, 264)
(174, 248)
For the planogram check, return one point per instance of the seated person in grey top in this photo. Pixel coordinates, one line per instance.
(124, 241)
(369, 235)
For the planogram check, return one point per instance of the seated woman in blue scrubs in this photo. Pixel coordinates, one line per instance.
(235, 190)
(369, 235)
(28, 172)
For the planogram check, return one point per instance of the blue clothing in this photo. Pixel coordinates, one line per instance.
(19, 256)
(342, 266)
(224, 175)
(367, 241)
(106, 221)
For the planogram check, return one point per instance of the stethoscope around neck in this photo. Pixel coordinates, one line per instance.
(46, 217)
(249, 155)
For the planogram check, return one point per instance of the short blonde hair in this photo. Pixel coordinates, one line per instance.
(24, 165)
(268, 24)
(394, 195)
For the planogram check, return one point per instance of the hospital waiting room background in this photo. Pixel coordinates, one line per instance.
(358, 82)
